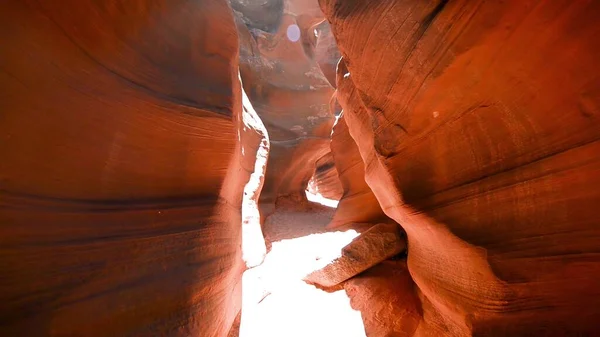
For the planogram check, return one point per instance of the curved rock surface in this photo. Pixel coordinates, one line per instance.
(121, 175)
(325, 180)
(358, 203)
(327, 52)
(281, 75)
(385, 296)
(478, 125)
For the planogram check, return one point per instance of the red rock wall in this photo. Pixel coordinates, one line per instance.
(121, 174)
(325, 180)
(478, 125)
(358, 203)
(326, 52)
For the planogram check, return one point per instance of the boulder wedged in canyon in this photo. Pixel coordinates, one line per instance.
(478, 126)
(281, 74)
(375, 245)
(121, 175)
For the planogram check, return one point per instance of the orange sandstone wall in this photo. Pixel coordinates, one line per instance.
(358, 203)
(477, 122)
(325, 180)
(122, 173)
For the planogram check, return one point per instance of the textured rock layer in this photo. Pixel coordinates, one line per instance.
(478, 125)
(121, 174)
(358, 203)
(399, 313)
(325, 180)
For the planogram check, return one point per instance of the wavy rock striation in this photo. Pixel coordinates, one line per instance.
(326, 180)
(358, 204)
(477, 125)
(122, 168)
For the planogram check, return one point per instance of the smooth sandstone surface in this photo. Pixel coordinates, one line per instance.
(358, 204)
(325, 180)
(478, 125)
(122, 171)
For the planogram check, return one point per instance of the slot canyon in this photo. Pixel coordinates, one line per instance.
(281, 168)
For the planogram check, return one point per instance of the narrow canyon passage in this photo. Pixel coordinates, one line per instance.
(287, 67)
(275, 299)
(155, 157)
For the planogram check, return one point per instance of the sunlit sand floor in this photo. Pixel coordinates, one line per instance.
(276, 302)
